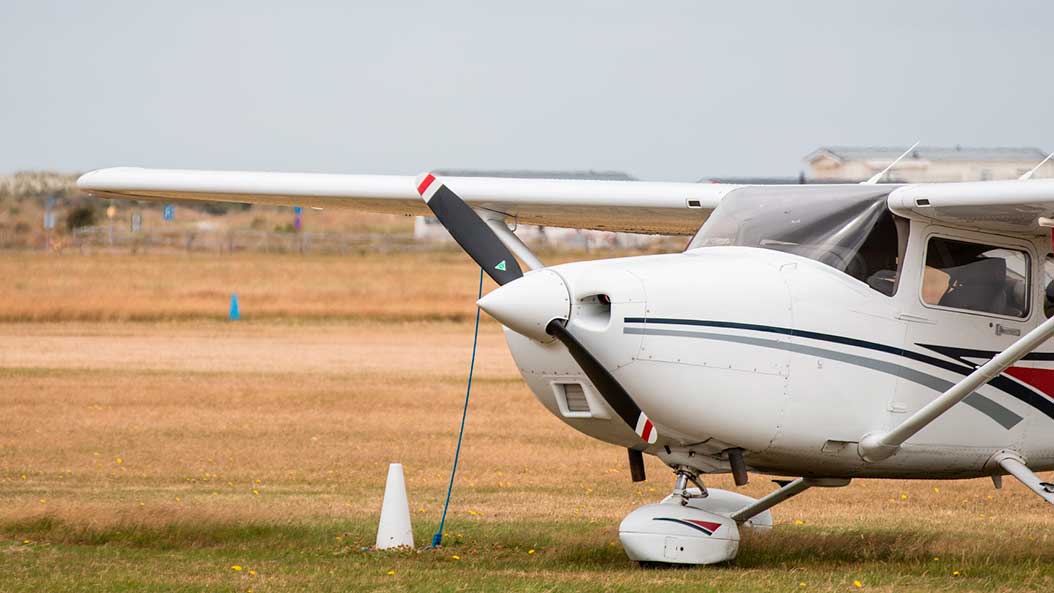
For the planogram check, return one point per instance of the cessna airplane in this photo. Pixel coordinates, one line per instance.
(818, 332)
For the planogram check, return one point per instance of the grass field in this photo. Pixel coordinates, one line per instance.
(147, 444)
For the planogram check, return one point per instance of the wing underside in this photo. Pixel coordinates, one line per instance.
(997, 206)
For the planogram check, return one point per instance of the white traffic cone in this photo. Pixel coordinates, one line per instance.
(394, 530)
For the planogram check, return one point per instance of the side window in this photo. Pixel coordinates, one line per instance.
(976, 277)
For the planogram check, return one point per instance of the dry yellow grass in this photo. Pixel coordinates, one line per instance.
(290, 418)
(43, 287)
(149, 412)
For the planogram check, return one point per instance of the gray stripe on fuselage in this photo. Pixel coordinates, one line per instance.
(1004, 417)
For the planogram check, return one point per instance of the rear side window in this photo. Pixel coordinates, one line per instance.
(976, 277)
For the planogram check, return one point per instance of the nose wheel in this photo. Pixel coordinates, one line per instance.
(686, 476)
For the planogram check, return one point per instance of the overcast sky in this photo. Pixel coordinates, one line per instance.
(661, 90)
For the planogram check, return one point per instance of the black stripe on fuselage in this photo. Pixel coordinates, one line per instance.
(1002, 382)
(962, 354)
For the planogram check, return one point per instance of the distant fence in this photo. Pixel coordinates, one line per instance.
(120, 239)
(96, 239)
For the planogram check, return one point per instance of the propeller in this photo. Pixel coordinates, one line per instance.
(469, 230)
(616, 396)
(484, 246)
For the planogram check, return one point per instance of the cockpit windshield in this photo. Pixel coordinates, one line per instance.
(854, 235)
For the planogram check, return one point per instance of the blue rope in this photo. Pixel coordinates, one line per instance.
(437, 539)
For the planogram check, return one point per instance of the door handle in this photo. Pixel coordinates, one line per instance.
(1006, 331)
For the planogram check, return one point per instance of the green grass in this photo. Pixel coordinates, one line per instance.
(492, 556)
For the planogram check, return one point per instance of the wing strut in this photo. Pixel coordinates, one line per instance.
(496, 222)
(1015, 466)
(877, 446)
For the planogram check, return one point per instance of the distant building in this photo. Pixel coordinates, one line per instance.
(800, 179)
(926, 163)
(536, 174)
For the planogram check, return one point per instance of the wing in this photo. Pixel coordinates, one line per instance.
(632, 206)
(1002, 206)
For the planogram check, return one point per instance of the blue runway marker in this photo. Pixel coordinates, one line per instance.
(234, 314)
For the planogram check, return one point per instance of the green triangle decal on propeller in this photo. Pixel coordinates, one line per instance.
(500, 266)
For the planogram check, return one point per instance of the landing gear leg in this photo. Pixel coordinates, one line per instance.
(686, 475)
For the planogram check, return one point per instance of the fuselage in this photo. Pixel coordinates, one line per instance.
(794, 360)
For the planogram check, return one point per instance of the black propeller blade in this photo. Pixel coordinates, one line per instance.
(480, 242)
(469, 230)
(609, 387)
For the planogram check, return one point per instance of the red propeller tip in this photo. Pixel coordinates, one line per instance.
(422, 187)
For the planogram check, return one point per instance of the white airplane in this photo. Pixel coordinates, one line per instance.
(818, 332)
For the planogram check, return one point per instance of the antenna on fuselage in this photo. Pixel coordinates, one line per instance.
(1028, 175)
(874, 178)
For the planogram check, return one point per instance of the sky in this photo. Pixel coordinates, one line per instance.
(661, 90)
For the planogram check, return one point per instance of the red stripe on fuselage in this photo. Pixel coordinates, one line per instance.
(1041, 379)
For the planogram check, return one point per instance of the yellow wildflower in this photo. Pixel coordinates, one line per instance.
(455, 557)
(799, 522)
(236, 567)
(391, 573)
(857, 584)
(118, 461)
(531, 551)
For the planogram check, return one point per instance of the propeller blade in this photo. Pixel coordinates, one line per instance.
(610, 389)
(480, 242)
(469, 230)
